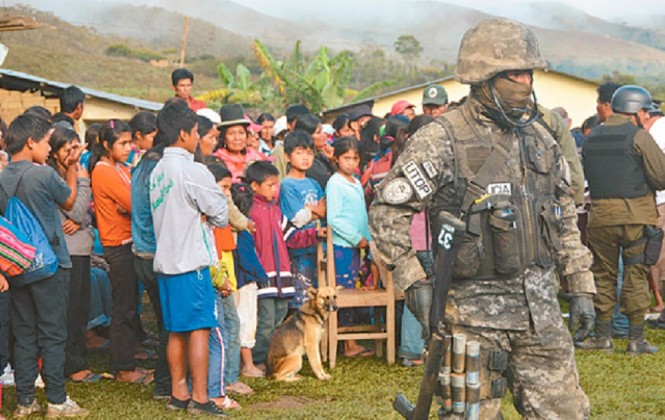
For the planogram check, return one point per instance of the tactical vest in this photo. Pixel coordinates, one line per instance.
(611, 166)
(505, 188)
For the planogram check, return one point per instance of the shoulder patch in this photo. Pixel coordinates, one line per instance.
(397, 191)
(417, 179)
(428, 166)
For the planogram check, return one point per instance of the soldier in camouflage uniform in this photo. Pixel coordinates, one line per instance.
(487, 163)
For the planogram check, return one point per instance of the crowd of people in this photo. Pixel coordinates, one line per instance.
(216, 215)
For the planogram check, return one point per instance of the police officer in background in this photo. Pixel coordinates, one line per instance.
(504, 176)
(623, 166)
(435, 100)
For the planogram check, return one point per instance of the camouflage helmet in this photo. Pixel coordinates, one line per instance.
(631, 99)
(496, 45)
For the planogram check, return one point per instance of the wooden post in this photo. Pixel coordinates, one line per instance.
(183, 44)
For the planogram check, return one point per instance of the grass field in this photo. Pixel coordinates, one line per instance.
(619, 387)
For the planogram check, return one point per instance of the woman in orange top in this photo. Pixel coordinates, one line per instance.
(111, 190)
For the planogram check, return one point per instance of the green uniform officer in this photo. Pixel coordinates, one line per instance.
(559, 130)
(623, 166)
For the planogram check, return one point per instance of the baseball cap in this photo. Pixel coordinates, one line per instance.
(210, 114)
(399, 107)
(435, 95)
(280, 125)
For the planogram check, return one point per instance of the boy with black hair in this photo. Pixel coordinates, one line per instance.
(182, 80)
(302, 201)
(72, 102)
(183, 194)
(293, 112)
(39, 309)
(273, 232)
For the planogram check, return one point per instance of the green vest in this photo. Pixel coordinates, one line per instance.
(510, 204)
(612, 168)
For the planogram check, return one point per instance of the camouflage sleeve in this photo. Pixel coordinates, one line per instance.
(569, 152)
(574, 259)
(424, 166)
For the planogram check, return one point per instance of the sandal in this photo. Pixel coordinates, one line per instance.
(226, 403)
(89, 378)
(406, 362)
(144, 378)
(363, 352)
(239, 388)
(254, 373)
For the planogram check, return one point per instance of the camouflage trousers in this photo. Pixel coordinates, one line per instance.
(541, 372)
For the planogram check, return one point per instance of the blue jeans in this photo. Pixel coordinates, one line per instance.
(619, 320)
(412, 344)
(216, 352)
(303, 268)
(231, 334)
(100, 299)
(272, 312)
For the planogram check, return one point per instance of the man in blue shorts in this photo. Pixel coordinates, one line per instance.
(184, 199)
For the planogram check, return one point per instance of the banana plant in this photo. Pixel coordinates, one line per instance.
(240, 87)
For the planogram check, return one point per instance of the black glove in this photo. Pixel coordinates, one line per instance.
(582, 316)
(418, 298)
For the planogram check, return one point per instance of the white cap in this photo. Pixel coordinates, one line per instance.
(280, 125)
(210, 114)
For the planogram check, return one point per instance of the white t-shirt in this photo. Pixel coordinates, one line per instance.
(657, 131)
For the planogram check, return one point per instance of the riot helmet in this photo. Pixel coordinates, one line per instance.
(631, 99)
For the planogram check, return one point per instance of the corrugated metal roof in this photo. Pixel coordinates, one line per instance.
(35, 82)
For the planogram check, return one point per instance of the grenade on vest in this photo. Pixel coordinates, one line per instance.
(459, 378)
(503, 222)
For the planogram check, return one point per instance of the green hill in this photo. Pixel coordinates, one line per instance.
(67, 53)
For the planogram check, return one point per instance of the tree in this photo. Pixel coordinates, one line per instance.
(620, 78)
(409, 47)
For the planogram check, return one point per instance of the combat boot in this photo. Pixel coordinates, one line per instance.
(602, 341)
(637, 344)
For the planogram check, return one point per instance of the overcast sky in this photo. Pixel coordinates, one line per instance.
(617, 10)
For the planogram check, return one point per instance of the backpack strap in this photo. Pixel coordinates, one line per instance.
(7, 195)
(20, 178)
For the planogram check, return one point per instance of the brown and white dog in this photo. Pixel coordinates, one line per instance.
(301, 334)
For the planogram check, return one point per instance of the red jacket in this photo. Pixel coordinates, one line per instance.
(273, 231)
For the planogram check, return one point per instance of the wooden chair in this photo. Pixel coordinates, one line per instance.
(355, 298)
(321, 277)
